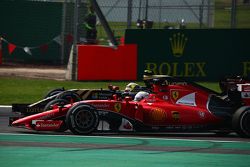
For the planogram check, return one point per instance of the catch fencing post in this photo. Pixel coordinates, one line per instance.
(233, 13)
(1, 52)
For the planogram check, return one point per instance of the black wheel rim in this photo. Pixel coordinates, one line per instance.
(84, 119)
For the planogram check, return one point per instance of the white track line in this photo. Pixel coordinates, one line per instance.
(4, 106)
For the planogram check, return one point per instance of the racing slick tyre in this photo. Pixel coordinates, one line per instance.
(69, 96)
(241, 121)
(82, 119)
(54, 92)
(59, 102)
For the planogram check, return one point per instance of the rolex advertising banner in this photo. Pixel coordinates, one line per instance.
(195, 54)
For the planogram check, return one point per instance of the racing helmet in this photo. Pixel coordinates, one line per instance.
(132, 87)
(141, 95)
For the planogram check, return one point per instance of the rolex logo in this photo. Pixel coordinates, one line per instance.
(178, 42)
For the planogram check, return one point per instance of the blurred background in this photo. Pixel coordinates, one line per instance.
(42, 31)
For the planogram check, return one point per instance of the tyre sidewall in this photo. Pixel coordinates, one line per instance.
(71, 119)
(238, 119)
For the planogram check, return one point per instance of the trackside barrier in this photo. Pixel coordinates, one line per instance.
(98, 63)
(194, 54)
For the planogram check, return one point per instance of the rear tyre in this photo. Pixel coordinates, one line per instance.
(69, 96)
(59, 102)
(54, 92)
(82, 119)
(241, 121)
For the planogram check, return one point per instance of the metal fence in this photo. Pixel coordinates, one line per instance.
(122, 14)
(40, 26)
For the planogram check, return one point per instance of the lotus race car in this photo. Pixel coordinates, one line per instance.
(172, 105)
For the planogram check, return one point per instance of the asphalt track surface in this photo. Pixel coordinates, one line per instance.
(21, 147)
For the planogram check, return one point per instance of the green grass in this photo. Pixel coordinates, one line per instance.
(223, 14)
(21, 90)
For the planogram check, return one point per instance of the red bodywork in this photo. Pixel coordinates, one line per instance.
(169, 105)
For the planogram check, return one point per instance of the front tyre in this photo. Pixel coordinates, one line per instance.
(82, 119)
(241, 121)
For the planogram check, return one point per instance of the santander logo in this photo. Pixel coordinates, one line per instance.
(48, 125)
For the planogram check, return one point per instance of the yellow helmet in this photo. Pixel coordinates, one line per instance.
(132, 87)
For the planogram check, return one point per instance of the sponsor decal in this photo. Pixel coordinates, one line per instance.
(47, 125)
(118, 107)
(151, 99)
(103, 105)
(184, 127)
(245, 95)
(175, 95)
(175, 115)
(178, 42)
(155, 128)
(34, 110)
(47, 116)
(102, 113)
(178, 83)
(178, 69)
(246, 88)
(201, 114)
(165, 97)
(158, 115)
(101, 96)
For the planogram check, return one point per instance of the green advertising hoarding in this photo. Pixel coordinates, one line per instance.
(196, 54)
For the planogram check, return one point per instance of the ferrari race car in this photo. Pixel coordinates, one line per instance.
(171, 105)
(60, 96)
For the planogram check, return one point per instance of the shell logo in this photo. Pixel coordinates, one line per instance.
(175, 116)
(158, 115)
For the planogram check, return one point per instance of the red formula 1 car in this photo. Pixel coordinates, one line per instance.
(171, 105)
